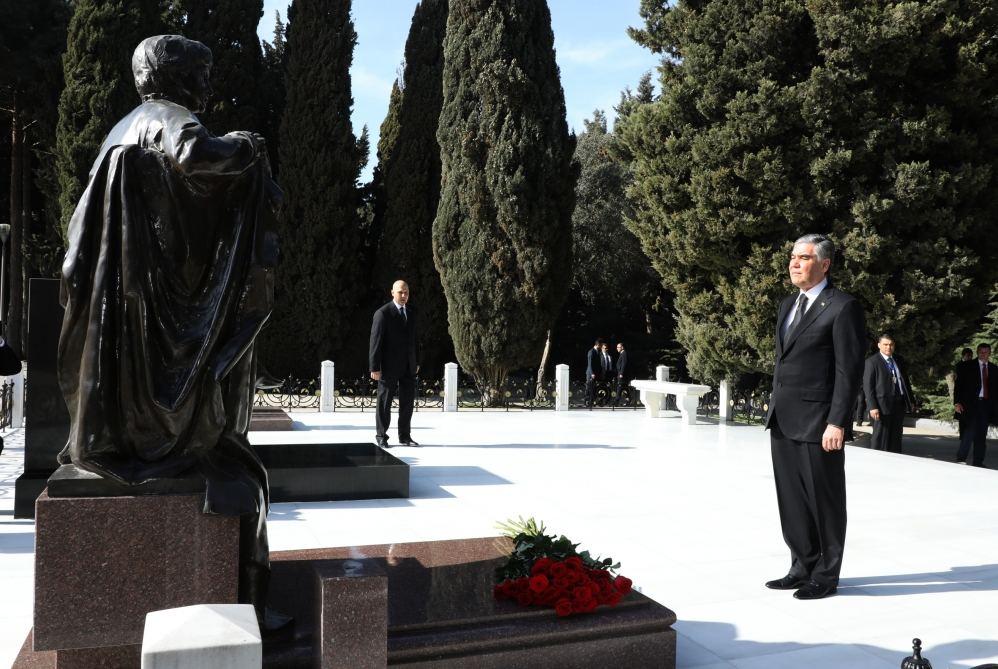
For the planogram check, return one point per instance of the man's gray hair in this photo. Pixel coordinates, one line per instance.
(824, 247)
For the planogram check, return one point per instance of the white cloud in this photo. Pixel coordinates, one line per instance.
(365, 82)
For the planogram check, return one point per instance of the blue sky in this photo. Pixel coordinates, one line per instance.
(596, 57)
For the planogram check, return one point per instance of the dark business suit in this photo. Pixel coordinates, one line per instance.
(621, 377)
(817, 376)
(594, 368)
(394, 352)
(978, 412)
(882, 393)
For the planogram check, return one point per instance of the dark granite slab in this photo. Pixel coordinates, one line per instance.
(45, 414)
(71, 481)
(326, 472)
(102, 563)
(441, 614)
(266, 419)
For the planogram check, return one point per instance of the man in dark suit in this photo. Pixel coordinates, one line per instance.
(594, 371)
(393, 357)
(620, 367)
(888, 394)
(975, 394)
(820, 336)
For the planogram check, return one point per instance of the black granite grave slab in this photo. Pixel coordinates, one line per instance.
(45, 414)
(327, 472)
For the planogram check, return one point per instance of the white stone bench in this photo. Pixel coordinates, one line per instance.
(687, 396)
(204, 636)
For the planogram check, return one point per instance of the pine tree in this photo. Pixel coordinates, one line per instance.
(99, 88)
(228, 28)
(873, 122)
(502, 235)
(317, 286)
(410, 181)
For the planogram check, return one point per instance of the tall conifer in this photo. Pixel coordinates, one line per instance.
(228, 28)
(410, 174)
(874, 122)
(99, 87)
(317, 284)
(502, 236)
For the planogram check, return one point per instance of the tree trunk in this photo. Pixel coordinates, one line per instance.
(18, 231)
(16, 208)
(539, 386)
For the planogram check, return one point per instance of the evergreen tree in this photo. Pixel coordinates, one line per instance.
(228, 28)
(271, 93)
(99, 88)
(873, 122)
(317, 285)
(410, 173)
(32, 38)
(502, 235)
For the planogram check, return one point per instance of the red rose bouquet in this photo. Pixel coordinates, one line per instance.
(549, 571)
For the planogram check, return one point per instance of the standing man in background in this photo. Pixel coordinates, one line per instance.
(975, 394)
(594, 371)
(820, 342)
(888, 395)
(393, 362)
(621, 378)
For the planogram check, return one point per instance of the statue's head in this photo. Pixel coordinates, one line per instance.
(174, 68)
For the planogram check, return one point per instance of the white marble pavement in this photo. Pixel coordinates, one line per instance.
(690, 512)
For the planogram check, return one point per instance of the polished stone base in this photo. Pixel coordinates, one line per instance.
(325, 472)
(266, 419)
(441, 613)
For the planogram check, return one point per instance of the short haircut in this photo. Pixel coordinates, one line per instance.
(599, 341)
(966, 351)
(824, 248)
(984, 345)
(885, 335)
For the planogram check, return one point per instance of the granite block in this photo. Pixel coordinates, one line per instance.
(103, 563)
(326, 472)
(46, 418)
(113, 657)
(269, 419)
(351, 615)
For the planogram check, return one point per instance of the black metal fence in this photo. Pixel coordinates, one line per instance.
(748, 405)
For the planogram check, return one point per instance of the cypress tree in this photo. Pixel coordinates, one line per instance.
(502, 235)
(316, 290)
(99, 88)
(228, 28)
(410, 172)
(873, 122)
(271, 93)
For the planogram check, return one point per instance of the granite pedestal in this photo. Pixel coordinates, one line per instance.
(325, 472)
(45, 416)
(351, 615)
(103, 563)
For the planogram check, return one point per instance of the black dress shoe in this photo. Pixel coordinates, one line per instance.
(408, 441)
(788, 582)
(383, 443)
(813, 590)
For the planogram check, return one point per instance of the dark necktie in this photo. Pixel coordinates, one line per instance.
(984, 381)
(801, 308)
(405, 319)
(898, 387)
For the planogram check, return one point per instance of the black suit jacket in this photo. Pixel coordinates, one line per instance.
(622, 364)
(594, 364)
(818, 367)
(394, 350)
(967, 386)
(878, 384)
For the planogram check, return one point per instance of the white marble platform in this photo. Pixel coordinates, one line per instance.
(689, 510)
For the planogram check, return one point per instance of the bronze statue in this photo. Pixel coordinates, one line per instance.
(167, 280)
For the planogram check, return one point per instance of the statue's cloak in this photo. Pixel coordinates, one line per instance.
(167, 281)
